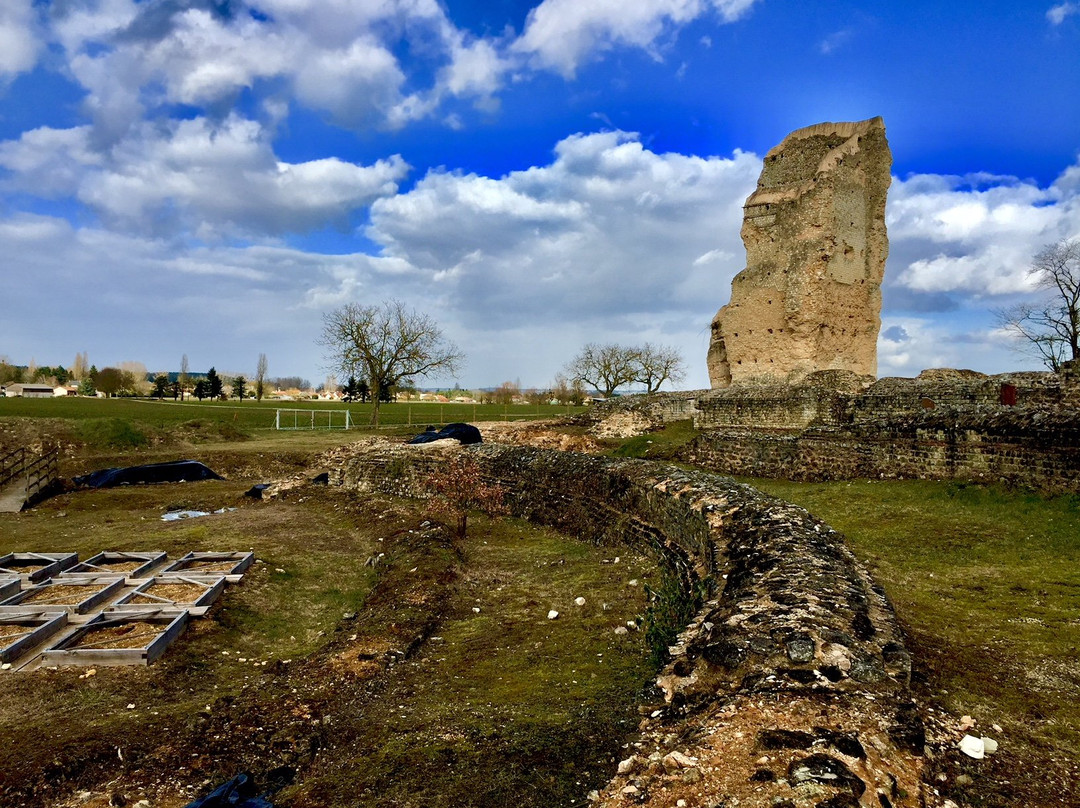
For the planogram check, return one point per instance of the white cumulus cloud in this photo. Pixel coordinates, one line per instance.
(19, 38)
(340, 57)
(976, 235)
(1057, 14)
(195, 176)
(561, 34)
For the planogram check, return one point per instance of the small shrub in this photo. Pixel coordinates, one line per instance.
(459, 487)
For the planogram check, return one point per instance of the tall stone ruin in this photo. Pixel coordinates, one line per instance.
(814, 230)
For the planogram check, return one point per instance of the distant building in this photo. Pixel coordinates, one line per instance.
(30, 390)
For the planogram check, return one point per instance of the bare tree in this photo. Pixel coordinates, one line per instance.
(79, 367)
(387, 345)
(605, 368)
(506, 393)
(658, 364)
(260, 377)
(1050, 329)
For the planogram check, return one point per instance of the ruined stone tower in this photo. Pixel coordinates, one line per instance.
(814, 230)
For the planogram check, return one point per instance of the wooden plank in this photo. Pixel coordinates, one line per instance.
(40, 628)
(98, 564)
(157, 648)
(8, 587)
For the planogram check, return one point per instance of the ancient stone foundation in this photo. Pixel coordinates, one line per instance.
(1016, 428)
(790, 685)
(814, 230)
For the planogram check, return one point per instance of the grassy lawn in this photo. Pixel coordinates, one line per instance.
(148, 415)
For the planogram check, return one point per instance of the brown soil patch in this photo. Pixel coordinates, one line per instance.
(208, 566)
(26, 566)
(177, 593)
(61, 593)
(134, 634)
(541, 435)
(13, 630)
(114, 566)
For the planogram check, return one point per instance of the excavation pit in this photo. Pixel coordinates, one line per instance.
(231, 565)
(36, 567)
(77, 595)
(119, 638)
(195, 593)
(133, 565)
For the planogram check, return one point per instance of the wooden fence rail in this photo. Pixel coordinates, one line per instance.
(39, 471)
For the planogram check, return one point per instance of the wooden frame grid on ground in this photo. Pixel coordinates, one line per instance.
(158, 628)
(231, 565)
(30, 617)
(63, 595)
(36, 567)
(21, 632)
(201, 592)
(132, 565)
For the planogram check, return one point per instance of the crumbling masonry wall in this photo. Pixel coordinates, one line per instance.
(1013, 448)
(1017, 428)
(814, 230)
(791, 683)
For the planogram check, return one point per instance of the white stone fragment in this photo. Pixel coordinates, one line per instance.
(989, 745)
(579, 601)
(552, 614)
(972, 747)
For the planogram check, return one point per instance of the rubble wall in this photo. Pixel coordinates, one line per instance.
(1013, 448)
(791, 682)
(1018, 428)
(814, 230)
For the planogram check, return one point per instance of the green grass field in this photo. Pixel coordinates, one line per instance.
(105, 426)
(254, 415)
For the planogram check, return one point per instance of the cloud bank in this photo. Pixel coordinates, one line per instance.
(608, 240)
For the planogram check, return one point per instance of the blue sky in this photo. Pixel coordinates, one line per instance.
(209, 177)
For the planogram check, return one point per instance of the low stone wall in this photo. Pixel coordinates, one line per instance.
(789, 687)
(1017, 428)
(645, 411)
(955, 390)
(1036, 449)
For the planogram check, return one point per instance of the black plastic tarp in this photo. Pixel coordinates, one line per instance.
(463, 433)
(177, 471)
(236, 793)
